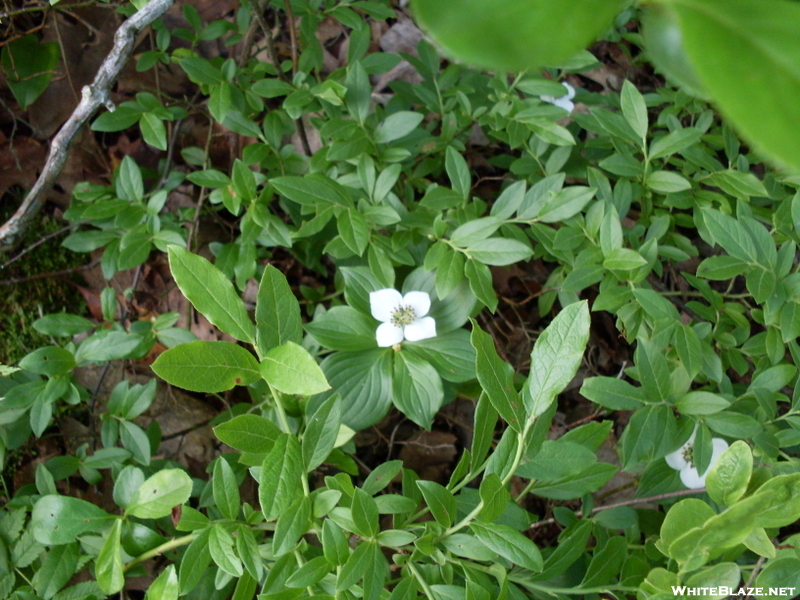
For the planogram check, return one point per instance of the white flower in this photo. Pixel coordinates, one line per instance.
(683, 460)
(402, 317)
(564, 102)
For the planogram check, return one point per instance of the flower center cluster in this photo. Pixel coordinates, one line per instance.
(688, 455)
(403, 315)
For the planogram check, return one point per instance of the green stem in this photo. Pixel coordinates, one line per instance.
(517, 459)
(278, 397)
(165, 547)
(424, 584)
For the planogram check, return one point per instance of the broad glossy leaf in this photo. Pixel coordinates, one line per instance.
(322, 428)
(497, 379)
(160, 494)
(277, 312)
(751, 86)
(292, 370)
(364, 381)
(60, 519)
(211, 293)
(510, 544)
(165, 586)
(515, 34)
(109, 562)
(225, 488)
(556, 357)
(280, 476)
(416, 388)
(248, 433)
(440, 501)
(728, 478)
(207, 366)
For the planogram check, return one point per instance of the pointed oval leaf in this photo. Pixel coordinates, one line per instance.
(207, 366)
(211, 293)
(59, 520)
(160, 494)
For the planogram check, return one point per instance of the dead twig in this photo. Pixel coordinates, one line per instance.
(92, 97)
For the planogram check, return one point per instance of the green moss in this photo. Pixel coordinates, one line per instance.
(22, 303)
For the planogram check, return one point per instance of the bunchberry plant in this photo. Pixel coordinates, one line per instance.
(604, 275)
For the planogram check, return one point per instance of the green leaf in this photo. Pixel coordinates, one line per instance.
(248, 433)
(701, 403)
(510, 544)
(458, 172)
(624, 259)
(667, 182)
(515, 34)
(565, 203)
(195, 562)
(135, 440)
(220, 546)
(280, 476)
(364, 381)
(365, 514)
(109, 562)
(450, 353)
(494, 496)
(207, 366)
(480, 282)
(397, 125)
(322, 429)
(654, 372)
(416, 388)
(57, 520)
(202, 71)
(211, 293)
(499, 251)
(62, 324)
(354, 230)
(128, 181)
(310, 573)
(728, 478)
(56, 569)
(225, 488)
(160, 493)
(165, 586)
(606, 562)
(557, 459)
(312, 190)
(730, 234)
(674, 142)
(29, 66)
(292, 370)
(292, 524)
(49, 360)
(440, 500)
(344, 328)
(153, 131)
(497, 379)
(634, 109)
(556, 357)
(689, 349)
(766, 37)
(612, 393)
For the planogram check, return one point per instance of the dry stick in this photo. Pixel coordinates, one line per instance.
(92, 97)
(273, 52)
(49, 275)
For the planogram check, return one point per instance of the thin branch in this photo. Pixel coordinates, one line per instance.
(92, 97)
(629, 502)
(48, 275)
(43, 7)
(273, 52)
(39, 242)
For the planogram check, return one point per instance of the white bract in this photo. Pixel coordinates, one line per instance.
(683, 460)
(564, 102)
(402, 317)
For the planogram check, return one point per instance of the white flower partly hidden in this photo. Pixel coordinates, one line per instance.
(683, 460)
(402, 317)
(564, 102)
